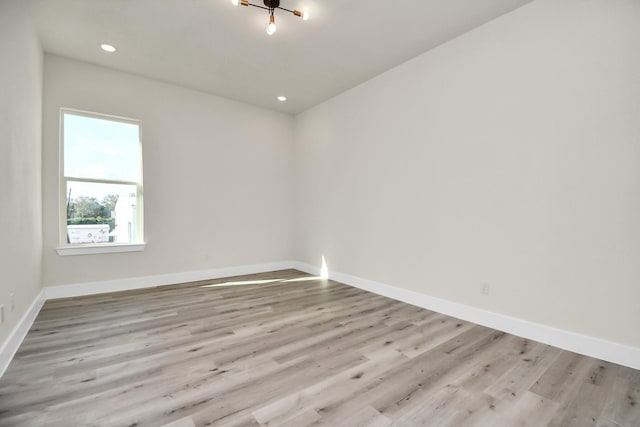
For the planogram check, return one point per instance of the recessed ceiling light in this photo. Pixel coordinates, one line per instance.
(108, 47)
(282, 98)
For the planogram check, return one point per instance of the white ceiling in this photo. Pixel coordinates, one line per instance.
(212, 46)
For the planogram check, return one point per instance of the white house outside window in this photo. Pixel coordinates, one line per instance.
(101, 184)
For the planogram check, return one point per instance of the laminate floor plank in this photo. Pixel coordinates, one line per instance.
(291, 350)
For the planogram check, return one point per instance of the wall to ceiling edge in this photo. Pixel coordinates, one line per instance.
(217, 176)
(509, 157)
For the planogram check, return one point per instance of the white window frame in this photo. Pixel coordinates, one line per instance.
(65, 248)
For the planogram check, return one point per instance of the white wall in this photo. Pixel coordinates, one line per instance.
(509, 155)
(217, 176)
(20, 176)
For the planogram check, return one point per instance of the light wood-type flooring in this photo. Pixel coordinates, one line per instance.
(287, 349)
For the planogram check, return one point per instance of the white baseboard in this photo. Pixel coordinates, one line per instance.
(15, 338)
(567, 340)
(583, 344)
(10, 346)
(106, 286)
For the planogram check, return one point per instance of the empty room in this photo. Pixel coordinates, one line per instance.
(320, 212)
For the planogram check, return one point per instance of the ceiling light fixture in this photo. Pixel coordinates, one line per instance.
(271, 6)
(108, 47)
(282, 98)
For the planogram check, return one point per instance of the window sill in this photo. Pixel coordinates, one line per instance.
(99, 249)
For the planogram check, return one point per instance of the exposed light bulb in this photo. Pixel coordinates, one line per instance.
(304, 14)
(234, 2)
(271, 28)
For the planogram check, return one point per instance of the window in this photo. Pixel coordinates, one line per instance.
(101, 184)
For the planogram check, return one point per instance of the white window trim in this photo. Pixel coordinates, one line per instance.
(103, 248)
(65, 249)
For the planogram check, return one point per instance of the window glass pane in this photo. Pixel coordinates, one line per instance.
(101, 149)
(101, 213)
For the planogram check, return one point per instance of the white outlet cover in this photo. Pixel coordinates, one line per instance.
(485, 288)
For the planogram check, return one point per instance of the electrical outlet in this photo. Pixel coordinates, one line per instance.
(1, 314)
(485, 288)
(13, 302)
